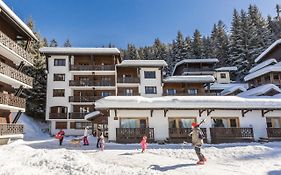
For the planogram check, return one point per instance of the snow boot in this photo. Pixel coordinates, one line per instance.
(204, 159)
(200, 162)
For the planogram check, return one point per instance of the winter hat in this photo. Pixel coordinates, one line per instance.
(194, 124)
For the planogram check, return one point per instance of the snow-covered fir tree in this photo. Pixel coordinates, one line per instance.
(67, 43)
(197, 45)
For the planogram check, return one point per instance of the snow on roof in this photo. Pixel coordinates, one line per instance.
(221, 86)
(233, 68)
(263, 64)
(16, 20)
(92, 115)
(233, 88)
(185, 102)
(260, 90)
(265, 70)
(77, 50)
(267, 50)
(190, 79)
(277, 95)
(144, 63)
(206, 60)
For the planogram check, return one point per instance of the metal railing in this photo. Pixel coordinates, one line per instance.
(10, 129)
(12, 45)
(15, 74)
(11, 100)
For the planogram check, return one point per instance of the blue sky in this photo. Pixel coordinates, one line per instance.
(93, 23)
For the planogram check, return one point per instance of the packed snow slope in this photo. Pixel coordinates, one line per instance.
(41, 154)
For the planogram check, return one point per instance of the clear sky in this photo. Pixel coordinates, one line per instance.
(93, 23)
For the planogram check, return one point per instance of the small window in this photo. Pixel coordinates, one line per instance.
(192, 91)
(150, 90)
(149, 74)
(59, 62)
(223, 75)
(61, 125)
(171, 91)
(233, 123)
(58, 92)
(59, 77)
(128, 92)
(105, 94)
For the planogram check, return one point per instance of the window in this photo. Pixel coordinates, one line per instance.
(61, 125)
(192, 91)
(105, 94)
(59, 109)
(133, 123)
(59, 77)
(180, 122)
(225, 122)
(150, 90)
(149, 74)
(58, 92)
(275, 76)
(223, 75)
(128, 92)
(79, 125)
(84, 109)
(273, 122)
(59, 62)
(171, 91)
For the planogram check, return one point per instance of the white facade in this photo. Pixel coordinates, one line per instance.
(151, 82)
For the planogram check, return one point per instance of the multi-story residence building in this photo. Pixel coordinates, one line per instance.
(15, 36)
(77, 77)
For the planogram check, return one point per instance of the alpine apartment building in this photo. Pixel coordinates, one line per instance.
(15, 36)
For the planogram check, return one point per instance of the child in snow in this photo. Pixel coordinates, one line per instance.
(197, 141)
(60, 136)
(85, 137)
(101, 142)
(143, 144)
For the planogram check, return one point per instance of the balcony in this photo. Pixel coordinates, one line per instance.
(13, 46)
(57, 115)
(77, 115)
(128, 80)
(11, 100)
(178, 135)
(274, 133)
(11, 129)
(90, 83)
(84, 98)
(92, 67)
(15, 74)
(228, 135)
(134, 135)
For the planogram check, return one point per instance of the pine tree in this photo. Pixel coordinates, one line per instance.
(197, 44)
(207, 47)
(53, 43)
(131, 53)
(67, 43)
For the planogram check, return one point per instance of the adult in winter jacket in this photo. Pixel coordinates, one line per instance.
(197, 142)
(85, 137)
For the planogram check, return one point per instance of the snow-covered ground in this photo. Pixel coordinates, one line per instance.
(40, 154)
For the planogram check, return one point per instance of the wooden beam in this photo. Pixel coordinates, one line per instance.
(245, 111)
(265, 111)
(209, 111)
(115, 114)
(151, 113)
(165, 112)
(201, 112)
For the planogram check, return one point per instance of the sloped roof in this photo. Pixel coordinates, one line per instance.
(17, 20)
(265, 70)
(269, 62)
(260, 90)
(190, 79)
(78, 50)
(267, 50)
(233, 88)
(233, 68)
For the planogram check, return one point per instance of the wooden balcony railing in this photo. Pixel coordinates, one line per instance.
(133, 135)
(178, 135)
(77, 115)
(57, 115)
(15, 74)
(274, 133)
(8, 42)
(92, 67)
(84, 98)
(11, 100)
(224, 135)
(11, 129)
(91, 83)
(128, 80)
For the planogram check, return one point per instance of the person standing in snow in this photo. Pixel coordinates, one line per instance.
(101, 142)
(98, 139)
(143, 144)
(85, 137)
(60, 136)
(197, 142)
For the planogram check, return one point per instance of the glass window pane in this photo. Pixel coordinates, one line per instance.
(276, 123)
(129, 123)
(185, 123)
(172, 123)
(268, 122)
(233, 123)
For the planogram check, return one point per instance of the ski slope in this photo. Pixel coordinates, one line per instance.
(41, 154)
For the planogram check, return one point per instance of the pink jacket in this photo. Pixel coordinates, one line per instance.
(143, 144)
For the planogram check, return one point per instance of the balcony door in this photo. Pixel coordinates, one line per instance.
(220, 122)
(59, 109)
(181, 122)
(133, 123)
